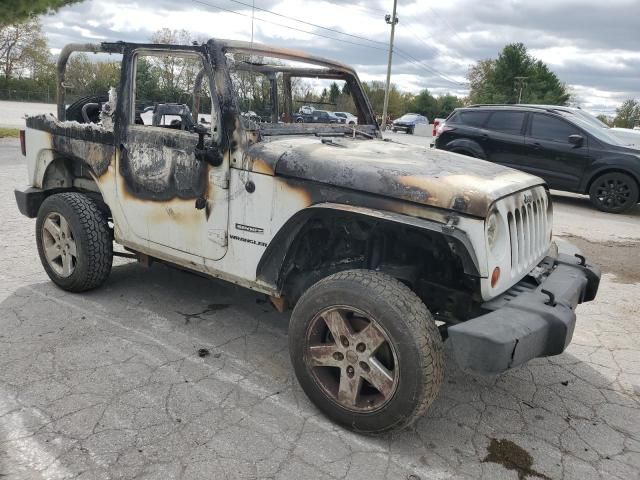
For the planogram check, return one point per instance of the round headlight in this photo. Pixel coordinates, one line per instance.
(493, 230)
(497, 235)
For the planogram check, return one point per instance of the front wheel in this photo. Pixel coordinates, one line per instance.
(614, 192)
(366, 350)
(74, 241)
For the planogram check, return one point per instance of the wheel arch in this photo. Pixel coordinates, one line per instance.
(608, 169)
(466, 146)
(70, 174)
(271, 268)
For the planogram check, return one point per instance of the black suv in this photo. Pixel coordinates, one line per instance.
(569, 153)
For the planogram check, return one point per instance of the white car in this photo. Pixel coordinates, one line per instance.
(347, 118)
(629, 137)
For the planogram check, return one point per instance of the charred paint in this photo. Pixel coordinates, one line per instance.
(258, 165)
(159, 165)
(403, 172)
(305, 194)
(88, 143)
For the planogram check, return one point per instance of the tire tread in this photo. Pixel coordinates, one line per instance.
(419, 321)
(96, 238)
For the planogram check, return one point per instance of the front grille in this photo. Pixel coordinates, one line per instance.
(528, 230)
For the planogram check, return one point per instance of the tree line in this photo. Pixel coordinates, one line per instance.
(27, 72)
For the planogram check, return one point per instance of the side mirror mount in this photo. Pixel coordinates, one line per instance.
(576, 140)
(206, 151)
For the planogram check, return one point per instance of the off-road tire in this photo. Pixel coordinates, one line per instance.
(92, 237)
(410, 328)
(621, 180)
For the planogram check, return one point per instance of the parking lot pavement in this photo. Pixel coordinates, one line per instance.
(12, 113)
(408, 138)
(110, 384)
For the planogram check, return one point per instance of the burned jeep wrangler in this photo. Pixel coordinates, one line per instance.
(383, 251)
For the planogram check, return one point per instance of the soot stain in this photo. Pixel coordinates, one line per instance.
(512, 457)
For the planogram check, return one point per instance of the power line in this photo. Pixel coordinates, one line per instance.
(308, 23)
(285, 26)
(403, 54)
(447, 24)
(432, 70)
(432, 45)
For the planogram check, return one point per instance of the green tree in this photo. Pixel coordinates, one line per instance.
(397, 100)
(13, 11)
(334, 92)
(425, 104)
(22, 47)
(84, 76)
(628, 114)
(514, 74)
(604, 119)
(446, 104)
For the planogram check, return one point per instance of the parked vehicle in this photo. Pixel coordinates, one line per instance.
(436, 125)
(568, 153)
(316, 116)
(369, 242)
(626, 136)
(407, 123)
(346, 117)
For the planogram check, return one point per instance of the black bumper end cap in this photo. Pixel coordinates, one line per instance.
(29, 201)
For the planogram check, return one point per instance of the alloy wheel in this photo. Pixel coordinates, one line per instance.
(59, 245)
(351, 357)
(613, 192)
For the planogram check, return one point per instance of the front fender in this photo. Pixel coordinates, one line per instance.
(271, 263)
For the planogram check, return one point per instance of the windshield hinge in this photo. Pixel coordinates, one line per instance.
(450, 227)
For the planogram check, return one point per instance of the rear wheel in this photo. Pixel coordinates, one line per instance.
(366, 350)
(74, 241)
(614, 192)
(466, 153)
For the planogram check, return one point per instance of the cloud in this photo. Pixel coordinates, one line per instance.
(592, 45)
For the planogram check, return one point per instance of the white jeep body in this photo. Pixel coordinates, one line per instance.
(239, 218)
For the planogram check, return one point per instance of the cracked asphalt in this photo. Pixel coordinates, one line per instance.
(110, 384)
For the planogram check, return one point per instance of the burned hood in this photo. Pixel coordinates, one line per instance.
(406, 172)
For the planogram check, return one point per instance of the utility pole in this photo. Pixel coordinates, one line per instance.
(392, 20)
(521, 82)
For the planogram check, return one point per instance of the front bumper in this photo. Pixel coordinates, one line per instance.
(528, 320)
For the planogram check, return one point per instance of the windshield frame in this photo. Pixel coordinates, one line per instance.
(329, 70)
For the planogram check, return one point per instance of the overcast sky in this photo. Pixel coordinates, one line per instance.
(592, 45)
